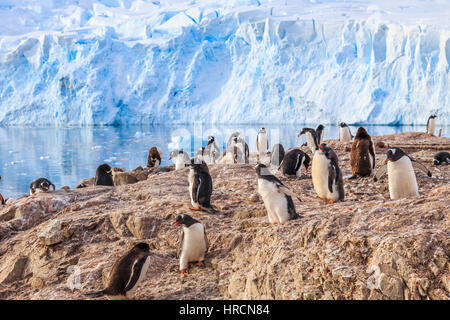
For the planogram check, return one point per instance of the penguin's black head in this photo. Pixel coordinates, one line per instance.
(436, 162)
(199, 165)
(142, 247)
(342, 125)
(362, 133)
(105, 168)
(433, 116)
(320, 127)
(235, 138)
(45, 185)
(262, 129)
(185, 219)
(394, 154)
(211, 139)
(304, 131)
(262, 170)
(174, 153)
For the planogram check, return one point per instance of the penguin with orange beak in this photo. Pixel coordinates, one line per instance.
(192, 243)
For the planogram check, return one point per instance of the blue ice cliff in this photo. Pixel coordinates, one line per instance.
(246, 61)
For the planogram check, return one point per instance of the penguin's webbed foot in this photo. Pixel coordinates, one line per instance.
(195, 208)
(183, 271)
(330, 201)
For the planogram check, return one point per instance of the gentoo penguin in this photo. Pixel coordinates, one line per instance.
(262, 143)
(212, 150)
(200, 185)
(237, 145)
(311, 138)
(326, 175)
(103, 176)
(345, 135)
(441, 158)
(193, 243)
(41, 185)
(180, 158)
(431, 124)
(276, 196)
(154, 157)
(294, 161)
(401, 177)
(126, 273)
(277, 155)
(320, 133)
(362, 155)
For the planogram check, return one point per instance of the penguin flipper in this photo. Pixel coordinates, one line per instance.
(288, 192)
(136, 273)
(333, 175)
(206, 241)
(417, 165)
(381, 172)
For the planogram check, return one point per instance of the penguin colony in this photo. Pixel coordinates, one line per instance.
(327, 180)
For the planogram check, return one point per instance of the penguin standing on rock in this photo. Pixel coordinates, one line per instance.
(277, 154)
(345, 135)
(401, 176)
(193, 242)
(154, 157)
(294, 161)
(441, 158)
(362, 155)
(276, 196)
(262, 143)
(326, 175)
(212, 150)
(126, 274)
(431, 124)
(200, 186)
(41, 185)
(103, 176)
(311, 138)
(180, 158)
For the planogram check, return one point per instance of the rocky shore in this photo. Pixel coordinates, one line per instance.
(61, 245)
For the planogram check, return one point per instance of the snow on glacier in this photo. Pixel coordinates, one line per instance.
(242, 61)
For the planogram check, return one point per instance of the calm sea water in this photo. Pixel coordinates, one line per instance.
(67, 155)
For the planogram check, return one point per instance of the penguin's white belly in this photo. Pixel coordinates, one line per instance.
(402, 179)
(344, 135)
(194, 246)
(274, 201)
(431, 126)
(141, 277)
(320, 167)
(228, 159)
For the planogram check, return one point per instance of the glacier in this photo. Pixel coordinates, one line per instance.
(123, 62)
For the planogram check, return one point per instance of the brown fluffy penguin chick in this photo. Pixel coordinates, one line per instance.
(126, 273)
(362, 154)
(154, 158)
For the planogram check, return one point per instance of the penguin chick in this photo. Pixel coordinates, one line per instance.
(103, 176)
(192, 243)
(154, 157)
(200, 186)
(126, 273)
(362, 154)
(401, 176)
(212, 150)
(41, 185)
(276, 196)
(326, 175)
